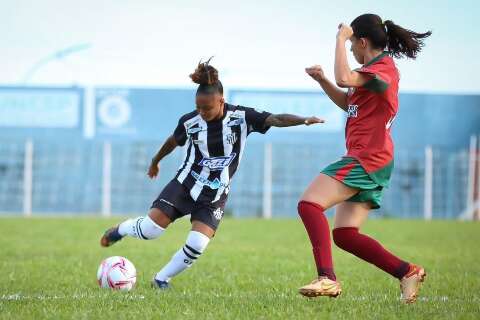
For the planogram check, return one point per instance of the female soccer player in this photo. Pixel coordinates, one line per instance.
(215, 134)
(355, 182)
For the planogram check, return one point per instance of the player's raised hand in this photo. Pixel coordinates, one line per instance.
(313, 120)
(345, 32)
(153, 170)
(316, 72)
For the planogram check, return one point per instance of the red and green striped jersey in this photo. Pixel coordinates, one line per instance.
(371, 111)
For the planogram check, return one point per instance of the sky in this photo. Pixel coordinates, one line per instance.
(255, 44)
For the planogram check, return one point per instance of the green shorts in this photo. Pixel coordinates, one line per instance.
(349, 172)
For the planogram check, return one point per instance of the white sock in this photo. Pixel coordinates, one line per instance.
(185, 257)
(141, 228)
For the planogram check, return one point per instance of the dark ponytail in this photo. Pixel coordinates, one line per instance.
(398, 41)
(404, 42)
(206, 76)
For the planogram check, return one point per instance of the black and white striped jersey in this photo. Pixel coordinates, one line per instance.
(214, 149)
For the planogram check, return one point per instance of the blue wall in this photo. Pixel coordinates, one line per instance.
(151, 114)
(68, 148)
(440, 120)
(139, 114)
(41, 112)
(436, 119)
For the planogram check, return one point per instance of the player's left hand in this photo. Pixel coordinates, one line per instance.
(345, 32)
(316, 72)
(313, 120)
(153, 170)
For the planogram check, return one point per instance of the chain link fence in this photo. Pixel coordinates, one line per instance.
(41, 177)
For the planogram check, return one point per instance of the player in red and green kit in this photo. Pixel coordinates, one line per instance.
(354, 184)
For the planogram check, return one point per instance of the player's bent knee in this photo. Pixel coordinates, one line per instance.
(303, 205)
(337, 238)
(342, 237)
(203, 228)
(160, 218)
(308, 197)
(148, 229)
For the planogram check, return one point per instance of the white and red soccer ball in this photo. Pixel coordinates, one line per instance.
(117, 273)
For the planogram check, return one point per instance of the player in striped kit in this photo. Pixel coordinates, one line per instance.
(215, 135)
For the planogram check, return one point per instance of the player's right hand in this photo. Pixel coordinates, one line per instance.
(316, 72)
(153, 170)
(345, 32)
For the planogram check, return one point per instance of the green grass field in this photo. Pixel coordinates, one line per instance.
(251, 270)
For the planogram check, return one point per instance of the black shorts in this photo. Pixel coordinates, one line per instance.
(175, 201)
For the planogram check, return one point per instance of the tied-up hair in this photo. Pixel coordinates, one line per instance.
(398, 41)
(206, 76)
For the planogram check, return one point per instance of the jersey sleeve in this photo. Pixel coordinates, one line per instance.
(256, 120)
(180, 134)
(380, 80)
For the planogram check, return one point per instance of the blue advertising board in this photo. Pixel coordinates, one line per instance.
(139, 114)
(41, 112)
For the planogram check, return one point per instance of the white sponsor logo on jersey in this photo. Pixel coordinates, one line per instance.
(217, 163)
(235, 122)
(194, 130)
(215, 184)
(352, 111)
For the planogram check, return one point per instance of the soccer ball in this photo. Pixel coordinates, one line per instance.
(117, 273)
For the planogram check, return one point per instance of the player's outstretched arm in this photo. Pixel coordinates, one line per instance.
(168, 146)
(338, 96)
(290, 120)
